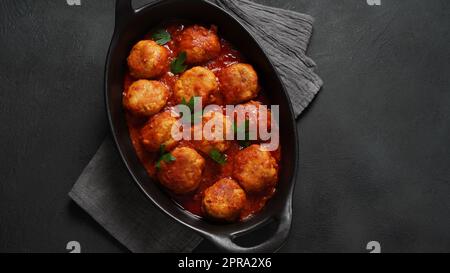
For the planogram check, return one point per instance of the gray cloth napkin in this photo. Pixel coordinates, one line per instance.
(285, 36)
(105, 189)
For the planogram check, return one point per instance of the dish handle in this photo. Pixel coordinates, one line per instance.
(124, 10)
(283, 218)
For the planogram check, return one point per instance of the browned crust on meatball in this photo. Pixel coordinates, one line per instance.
(146, 98)
(224, 201)
(148, 60)
(255, 169)
(200, 44)
(158, 132)
(183, 176)
(196, 82)
(239, 83)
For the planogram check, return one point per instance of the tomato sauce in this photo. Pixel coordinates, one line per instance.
(213, 171)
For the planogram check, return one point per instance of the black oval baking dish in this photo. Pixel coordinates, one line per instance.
(131, 25)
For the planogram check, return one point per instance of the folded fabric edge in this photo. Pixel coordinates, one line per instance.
(263, 7)
(189, 245)
(306, 103)
(82, 204)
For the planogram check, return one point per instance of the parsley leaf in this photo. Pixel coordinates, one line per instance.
(196, 117)
(161, 36)
(242, 129)
(162, 150)
(245, 143)
(190, 104)
(177, 66)
(164, 157)
(168, 158)
(218, 157)
(246, 130)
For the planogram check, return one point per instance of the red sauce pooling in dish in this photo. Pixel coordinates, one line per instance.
(213, 171)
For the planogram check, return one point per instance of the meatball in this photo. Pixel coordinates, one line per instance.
(239, 83)
(183, 175)
(250, 112)
(224, 200)
(255, 169)
(196, 82)
(148, 60)
(158, 132)
(217, 136)
(200, 44)
(146, 98)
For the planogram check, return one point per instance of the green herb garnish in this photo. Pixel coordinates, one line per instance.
(195, 117)
(244, 143)
(178, 65)
(190, 104)
(164, 157)
(239, 130)
(218, 157)
(242, 129)
(162, 150)
(161, 36)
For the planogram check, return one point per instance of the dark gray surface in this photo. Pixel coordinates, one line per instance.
(375, 149)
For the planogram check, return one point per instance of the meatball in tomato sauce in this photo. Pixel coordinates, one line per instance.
(224, 200)
(148, 60)
(184, 174)
(252, 112)
(217, 177)
(200, 44)
(196, 82)
(213, 137)
(239, 83)
(146, 98)
(157, 133)
(255, 169)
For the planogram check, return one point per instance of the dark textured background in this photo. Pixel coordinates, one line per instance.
(375, 145)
